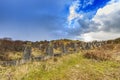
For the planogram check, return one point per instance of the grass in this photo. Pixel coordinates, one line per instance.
(68, 67)
(98, 55)
(10, 56)
(14, 55)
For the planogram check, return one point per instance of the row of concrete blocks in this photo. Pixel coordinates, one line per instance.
(49, 54)
(79, 46)
(23, 61)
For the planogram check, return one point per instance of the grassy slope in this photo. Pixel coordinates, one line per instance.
(69, 67)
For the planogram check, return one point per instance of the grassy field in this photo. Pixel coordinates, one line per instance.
(69, 67)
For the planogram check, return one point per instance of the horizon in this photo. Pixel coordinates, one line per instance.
(10, 39)
(84, 20)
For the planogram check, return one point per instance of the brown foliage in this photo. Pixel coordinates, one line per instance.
(7, 45)
(98, 55)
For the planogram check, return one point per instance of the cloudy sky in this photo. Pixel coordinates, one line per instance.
(55, 19)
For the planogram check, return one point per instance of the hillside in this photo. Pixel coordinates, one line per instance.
(96, 62)
(68, 67)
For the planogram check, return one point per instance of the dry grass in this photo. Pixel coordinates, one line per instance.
(10, 56)
(36, 52)
(68, 67)
(14, 55)
(80, 66)
(106, 52)
(98, 55)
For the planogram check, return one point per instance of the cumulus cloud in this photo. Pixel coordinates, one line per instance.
(108, 17)
(108, 23)
(73, 14)
(101, 35)
(75, 19)
(78, 20)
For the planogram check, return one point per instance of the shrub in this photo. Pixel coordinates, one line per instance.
(98, 55)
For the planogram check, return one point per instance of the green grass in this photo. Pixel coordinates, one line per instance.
(68, 67)
(75, 67)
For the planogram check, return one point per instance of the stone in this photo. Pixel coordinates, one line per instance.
(40, 47)
(49, 50)
(63, 47)
(75, 47)
(27, 53)
(82, 46)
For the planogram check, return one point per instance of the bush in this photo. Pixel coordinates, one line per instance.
(98, 55)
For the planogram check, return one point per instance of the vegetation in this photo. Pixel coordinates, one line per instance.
(68, 67)
(102, 63)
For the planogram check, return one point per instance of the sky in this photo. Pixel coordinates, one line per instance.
(37, 20)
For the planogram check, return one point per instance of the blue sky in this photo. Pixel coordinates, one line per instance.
(55, 19)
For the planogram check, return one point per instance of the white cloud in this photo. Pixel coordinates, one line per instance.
(108, 23)
(103, 26)
(101, 35)
(74, 16)
(107, 10)
(72, 12)
(113, 1)
(87, 2)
